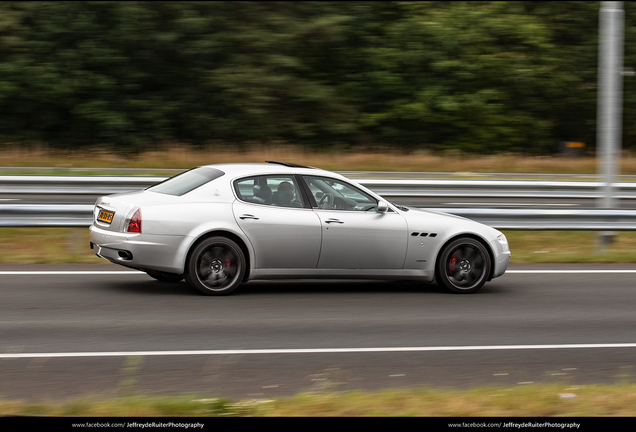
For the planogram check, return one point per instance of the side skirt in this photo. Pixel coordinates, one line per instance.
(381, 274)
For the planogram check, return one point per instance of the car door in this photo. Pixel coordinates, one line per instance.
(354, 234)
(280, 224)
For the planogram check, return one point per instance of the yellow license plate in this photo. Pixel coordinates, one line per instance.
(105, 216)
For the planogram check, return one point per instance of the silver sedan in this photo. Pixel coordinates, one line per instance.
(221, 225)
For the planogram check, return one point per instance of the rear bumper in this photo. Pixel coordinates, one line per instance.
(139, 251)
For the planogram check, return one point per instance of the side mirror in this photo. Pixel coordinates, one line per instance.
(382, 206)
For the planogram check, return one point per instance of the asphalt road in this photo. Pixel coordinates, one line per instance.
(68, 333)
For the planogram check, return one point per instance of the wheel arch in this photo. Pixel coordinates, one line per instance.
(227, 234)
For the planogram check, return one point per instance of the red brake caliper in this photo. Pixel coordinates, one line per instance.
(452, 263)
(227, 267)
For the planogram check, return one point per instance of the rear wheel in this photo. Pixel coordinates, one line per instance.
(463, 266)
(216, 266)
(164, 277)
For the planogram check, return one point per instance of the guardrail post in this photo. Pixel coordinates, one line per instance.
(609, 105)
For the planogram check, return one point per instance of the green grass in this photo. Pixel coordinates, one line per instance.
(71, 245)
(535, 400)
(569, 247)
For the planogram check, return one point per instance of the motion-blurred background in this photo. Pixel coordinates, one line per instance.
(481, 77)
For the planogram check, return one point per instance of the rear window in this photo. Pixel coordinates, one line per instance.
(187, 181)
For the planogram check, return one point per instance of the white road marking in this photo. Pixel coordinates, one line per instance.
(72, 273)
(567, 271)
(315, 350)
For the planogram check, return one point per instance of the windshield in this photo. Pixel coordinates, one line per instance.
(187, 181)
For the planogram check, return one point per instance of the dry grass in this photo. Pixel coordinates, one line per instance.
(569, 247)
(537, 400)
(46, 245)
(531, 401)
(181, 156)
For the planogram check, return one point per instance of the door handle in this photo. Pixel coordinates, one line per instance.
(334, 221)
(248, 216)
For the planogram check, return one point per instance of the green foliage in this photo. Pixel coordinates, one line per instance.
(471, 76)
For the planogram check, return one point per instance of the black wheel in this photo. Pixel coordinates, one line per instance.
(216, 266)
(463, 266)
(164, 277)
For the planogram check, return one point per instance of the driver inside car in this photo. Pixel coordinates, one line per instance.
(285, 195)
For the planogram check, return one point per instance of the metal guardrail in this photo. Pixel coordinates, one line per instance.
(81, 215)
(103, 185)
(46, 215)
(17, 215)
(494, 188)
(548, 219)
(84, 185)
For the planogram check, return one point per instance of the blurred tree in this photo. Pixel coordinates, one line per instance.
(473, 76)
(629, 82)
(266, 75)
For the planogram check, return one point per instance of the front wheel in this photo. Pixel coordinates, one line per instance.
(463, 266)
(216, 266)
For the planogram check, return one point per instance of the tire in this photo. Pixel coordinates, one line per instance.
(463, 266)
(165, 277)
(216, 266)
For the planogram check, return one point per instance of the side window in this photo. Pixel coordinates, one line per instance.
(331, 194)
(274, 190)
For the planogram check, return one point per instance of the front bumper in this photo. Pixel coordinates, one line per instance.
(501, 264)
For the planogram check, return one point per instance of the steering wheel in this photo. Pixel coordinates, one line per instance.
(327, 199)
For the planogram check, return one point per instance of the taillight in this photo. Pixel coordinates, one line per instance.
(134, 225)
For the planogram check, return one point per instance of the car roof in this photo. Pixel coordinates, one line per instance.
(240, 169)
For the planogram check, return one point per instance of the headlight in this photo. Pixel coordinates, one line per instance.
(503, 241)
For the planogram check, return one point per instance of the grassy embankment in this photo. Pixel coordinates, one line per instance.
(54, 245)
(536, 400)
(371, 160)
